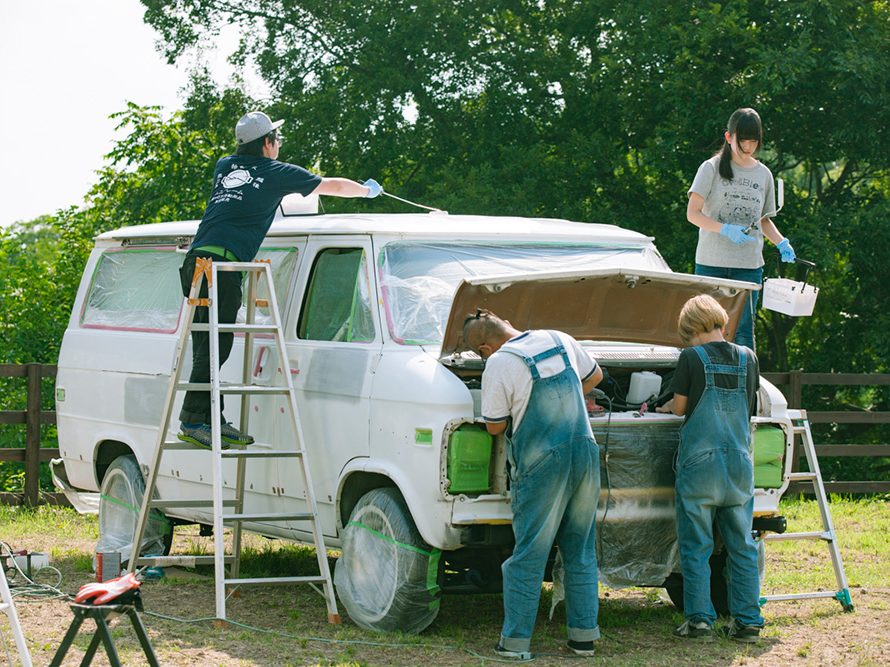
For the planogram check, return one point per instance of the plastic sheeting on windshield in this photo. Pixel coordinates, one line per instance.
(419, 279)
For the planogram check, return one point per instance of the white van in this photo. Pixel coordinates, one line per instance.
(409, 484)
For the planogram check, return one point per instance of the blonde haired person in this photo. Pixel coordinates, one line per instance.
(715, 387)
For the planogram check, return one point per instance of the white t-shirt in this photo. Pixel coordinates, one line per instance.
(507, 381)
(747, 198)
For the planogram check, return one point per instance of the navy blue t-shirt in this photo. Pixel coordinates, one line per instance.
(246, 191)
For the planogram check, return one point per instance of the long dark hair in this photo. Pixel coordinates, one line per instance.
(744, 124)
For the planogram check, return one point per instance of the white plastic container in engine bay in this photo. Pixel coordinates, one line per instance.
(643, 386)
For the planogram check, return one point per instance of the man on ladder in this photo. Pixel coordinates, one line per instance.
(247, 188)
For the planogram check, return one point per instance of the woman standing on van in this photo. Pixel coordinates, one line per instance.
(732, 201)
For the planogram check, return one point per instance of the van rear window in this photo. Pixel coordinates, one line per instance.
(135, 289)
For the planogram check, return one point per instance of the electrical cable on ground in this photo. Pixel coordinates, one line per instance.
(32, 589)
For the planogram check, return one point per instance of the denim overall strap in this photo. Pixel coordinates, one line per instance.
(715, 484)
(555, 488)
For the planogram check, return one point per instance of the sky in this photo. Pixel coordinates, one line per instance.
(65, 66)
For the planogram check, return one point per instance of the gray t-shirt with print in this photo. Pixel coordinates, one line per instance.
(748, 197)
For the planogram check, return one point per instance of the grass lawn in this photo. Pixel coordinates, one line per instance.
(286, 625)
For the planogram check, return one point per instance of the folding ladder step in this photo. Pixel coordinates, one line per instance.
(163, 504)
(181, 561)
(269, 516)
(260, 453)
(232, 388)
(784, 537)
(277, 580)
(238, 328)
(181, 444)
(801, 476)
(799, 596)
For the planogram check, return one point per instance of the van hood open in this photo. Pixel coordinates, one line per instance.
(632, 305)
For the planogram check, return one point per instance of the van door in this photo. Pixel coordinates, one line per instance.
(333, 346)
(262, 475)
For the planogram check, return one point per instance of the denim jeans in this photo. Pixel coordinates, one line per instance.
(554, 470)
(715, 485)
(744, 334)
(196, 404)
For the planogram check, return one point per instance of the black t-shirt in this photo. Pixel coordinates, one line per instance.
(246, 191)
(689, 378)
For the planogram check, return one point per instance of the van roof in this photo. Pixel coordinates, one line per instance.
(410, 225)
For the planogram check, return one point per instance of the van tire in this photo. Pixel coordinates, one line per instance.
(388, 578)
(719, 590)
(120, 499)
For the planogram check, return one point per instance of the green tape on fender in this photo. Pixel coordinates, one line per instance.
(432, 576)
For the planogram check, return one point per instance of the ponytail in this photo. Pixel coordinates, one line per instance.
(725, 168)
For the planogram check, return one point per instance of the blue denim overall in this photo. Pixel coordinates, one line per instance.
(555, 484)
(715, 482)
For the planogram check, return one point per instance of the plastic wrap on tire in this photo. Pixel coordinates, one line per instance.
(387, 577)
(119, 503)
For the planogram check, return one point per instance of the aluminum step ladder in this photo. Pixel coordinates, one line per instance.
(231, 511)
(801, 428)
(7, 606)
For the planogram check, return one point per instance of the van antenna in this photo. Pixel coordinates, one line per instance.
(428, 208)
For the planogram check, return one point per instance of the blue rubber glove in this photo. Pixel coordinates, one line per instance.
(787, 251)
(374, 188)
(736, 234)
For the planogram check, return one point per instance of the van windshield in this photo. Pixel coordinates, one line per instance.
(418, 280)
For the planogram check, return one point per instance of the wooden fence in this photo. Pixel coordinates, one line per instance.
(32, 453)
(792, 382)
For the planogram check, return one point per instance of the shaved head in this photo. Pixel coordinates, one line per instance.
(484, 328)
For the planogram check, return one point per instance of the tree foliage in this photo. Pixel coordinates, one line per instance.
(594, 110)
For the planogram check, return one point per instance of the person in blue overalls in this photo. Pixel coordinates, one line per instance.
(533, 390)
(715, 386)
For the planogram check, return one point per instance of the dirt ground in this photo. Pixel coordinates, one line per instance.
(636, 631)
(287, 626)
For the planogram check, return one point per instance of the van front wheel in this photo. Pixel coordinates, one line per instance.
(120, 500)
(387, 577)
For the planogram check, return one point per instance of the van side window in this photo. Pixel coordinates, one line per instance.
(135, 289)
(337, 305)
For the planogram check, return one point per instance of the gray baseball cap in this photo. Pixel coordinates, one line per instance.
(254, 125)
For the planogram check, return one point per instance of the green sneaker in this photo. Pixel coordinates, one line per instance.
(198, 435)
(233, 436)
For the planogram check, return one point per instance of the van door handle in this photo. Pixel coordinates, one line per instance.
(294, 366)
